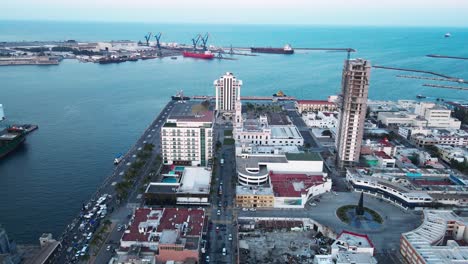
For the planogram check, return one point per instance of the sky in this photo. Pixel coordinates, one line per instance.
(318, 12)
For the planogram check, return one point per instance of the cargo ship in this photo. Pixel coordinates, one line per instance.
(198, 55)
(287, 49)
(111, 60)
(9, 141)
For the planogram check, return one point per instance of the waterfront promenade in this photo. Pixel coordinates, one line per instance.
(73, 239)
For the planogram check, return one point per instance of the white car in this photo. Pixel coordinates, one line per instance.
(312, 204)
(230, 237)
(245, 209)
(218, 212)
(252, 209)
(108, 248)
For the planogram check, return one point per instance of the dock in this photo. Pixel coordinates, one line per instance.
(446, 57)
(248, 98)
(446, 86)
(432, 79)
(414, 70)
(27, 60)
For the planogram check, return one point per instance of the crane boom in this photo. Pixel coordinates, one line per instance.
(195, 41)
(148, 37)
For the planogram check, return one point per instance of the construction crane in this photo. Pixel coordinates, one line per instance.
(204, 41)
(148, 37)
(195, 41)
(158, 44)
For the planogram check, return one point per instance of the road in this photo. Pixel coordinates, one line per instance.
(118, 211)
(221, 231)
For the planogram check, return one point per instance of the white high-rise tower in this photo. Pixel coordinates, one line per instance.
(228, 89)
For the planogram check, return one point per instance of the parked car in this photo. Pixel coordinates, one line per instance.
(230, 237)
(218, 212)
(252, 209)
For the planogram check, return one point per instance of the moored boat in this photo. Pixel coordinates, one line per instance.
(207, 55)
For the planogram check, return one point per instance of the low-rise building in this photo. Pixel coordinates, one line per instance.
(280, 180)
(424, 114)
(449, 153)
(349, 248)
(180, 185)
(254, 196)
(172, 234)
(254, 169)
(321, 119)
(352, 242)
(266, 129)
(440, 239)
(411, 188)
(293, 190)
(453, 137)
(317, 105)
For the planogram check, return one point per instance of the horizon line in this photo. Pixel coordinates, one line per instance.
(230, 23)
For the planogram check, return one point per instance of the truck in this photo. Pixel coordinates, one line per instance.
(221, 162)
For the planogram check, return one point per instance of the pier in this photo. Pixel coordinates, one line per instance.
(249, 98)
(414, 70)
(446, 86)
(432, 79)
(446, 57)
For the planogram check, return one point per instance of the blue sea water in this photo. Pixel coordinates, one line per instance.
(89, 112)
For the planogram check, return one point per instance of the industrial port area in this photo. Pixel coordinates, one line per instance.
(52, 52)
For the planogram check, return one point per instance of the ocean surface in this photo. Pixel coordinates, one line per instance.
(89, 112)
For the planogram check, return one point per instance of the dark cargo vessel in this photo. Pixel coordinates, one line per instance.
(287, 49)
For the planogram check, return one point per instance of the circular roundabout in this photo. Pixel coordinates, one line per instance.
(360, 217)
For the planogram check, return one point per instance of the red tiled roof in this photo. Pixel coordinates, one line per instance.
(385, 142)
(167, 221)
(382, 155)
(283, 183)
(195, 226)
(324, 102)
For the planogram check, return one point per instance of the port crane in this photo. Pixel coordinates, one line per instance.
(148, 37)
(158, 43)
(204, 41)
(195, 41)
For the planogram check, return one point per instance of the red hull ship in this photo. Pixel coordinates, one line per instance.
(206, 56)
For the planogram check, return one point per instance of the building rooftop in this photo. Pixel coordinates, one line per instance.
(293, 185)
(355, 258)
(205, 117)
(278, 119)
(285, 132)
(181, 179)
(195, 180)
(312, 156)
(322, 102)
(260, 190)
(162, 225)
(352, 239)
(426, 239)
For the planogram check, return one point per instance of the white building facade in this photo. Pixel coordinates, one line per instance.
(228, 89)
(188, 140)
